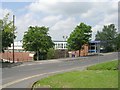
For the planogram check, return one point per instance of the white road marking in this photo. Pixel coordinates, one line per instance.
(107, 53)
(20, 80)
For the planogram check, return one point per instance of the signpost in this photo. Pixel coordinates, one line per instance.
(13, 38)
(65, 38)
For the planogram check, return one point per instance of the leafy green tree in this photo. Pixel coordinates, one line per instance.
(1, 35)
(37, 39)
(117, 42)
(51, 53)
(107, 36)
(6, 28)
(80, 36)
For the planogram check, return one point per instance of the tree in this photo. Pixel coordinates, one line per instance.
(80, 36)
(37, 39)
(6, 34)
(51, 53)
(117, 42)
(107, 36)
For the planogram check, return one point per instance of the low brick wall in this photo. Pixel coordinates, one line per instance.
(61, 53)
(19, 56)
(83, 52)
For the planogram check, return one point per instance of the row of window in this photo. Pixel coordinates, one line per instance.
(60, 45)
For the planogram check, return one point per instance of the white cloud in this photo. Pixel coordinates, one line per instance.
(23, 22)
(102, 13)
(107, 20)
(64, 8)
(4, 12)
(51, 20)
(62, 17)
(63, 27)
(60, 1)
(17, 0)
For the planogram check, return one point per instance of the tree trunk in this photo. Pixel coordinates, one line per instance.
(37, 55)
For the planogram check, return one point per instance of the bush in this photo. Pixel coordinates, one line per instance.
(51, 53)
(42, 56)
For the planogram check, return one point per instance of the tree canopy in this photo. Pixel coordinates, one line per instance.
(37, 39)
(107, 36)
(80, 36)
(117, 42)
(6, 34)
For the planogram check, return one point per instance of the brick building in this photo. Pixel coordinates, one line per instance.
(19, 54)
(60, 51)
(83, 52)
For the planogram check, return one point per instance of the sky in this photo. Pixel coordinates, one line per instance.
(61, 16)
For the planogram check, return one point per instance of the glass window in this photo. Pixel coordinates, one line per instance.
(62, 45)
(58, 45)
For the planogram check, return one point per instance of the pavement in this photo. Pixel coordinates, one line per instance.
(24, 75)
(9, 65)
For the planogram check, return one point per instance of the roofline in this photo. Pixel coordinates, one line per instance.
(59, 41)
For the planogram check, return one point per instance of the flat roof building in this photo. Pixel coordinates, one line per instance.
(18, 45)
(60, 44)
(94, 47)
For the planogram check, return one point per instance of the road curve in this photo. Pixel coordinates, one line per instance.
(25, 75)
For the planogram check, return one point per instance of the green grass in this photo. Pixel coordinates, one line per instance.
(112, 65)
(84, 79)
(98, 76)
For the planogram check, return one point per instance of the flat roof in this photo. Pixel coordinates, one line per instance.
(94, 42)
(59, 41)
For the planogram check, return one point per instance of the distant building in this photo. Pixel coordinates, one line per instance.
(19, 54)
(60, 44)
(22, 55)
(94, 47)
(82, 52)
(60, 49)
(17, 46)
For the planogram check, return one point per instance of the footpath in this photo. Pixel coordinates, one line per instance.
(10, 64)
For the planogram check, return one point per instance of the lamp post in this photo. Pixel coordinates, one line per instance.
(98, 50)
(13, 38)
(65, 38)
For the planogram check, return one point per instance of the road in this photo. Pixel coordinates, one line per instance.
(25, 75)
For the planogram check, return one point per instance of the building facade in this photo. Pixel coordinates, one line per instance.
(94, 47)
(60, 48)
(18, 46)
(60, 45)
(19, 54)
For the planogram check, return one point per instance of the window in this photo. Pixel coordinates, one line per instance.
(58, 45)
(62, 45)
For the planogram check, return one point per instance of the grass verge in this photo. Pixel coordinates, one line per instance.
(103, 75)
(112, 65)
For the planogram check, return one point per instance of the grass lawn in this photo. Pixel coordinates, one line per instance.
(94, 77)
(112, 65)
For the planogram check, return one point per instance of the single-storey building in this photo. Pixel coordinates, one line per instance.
(60, 47)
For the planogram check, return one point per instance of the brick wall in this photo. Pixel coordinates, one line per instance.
(19, 56)
(83, 52)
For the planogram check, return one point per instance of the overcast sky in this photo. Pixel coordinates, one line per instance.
(61, 16)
